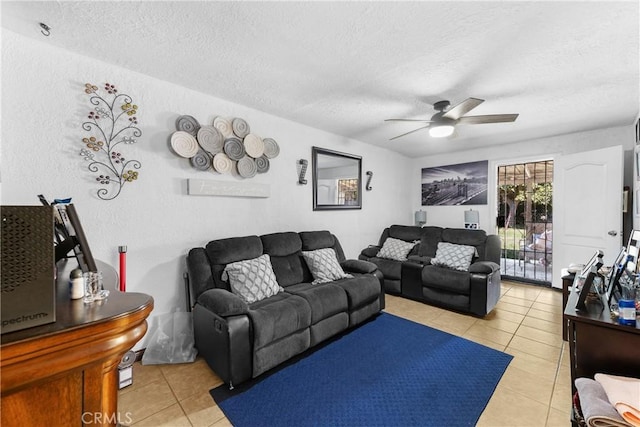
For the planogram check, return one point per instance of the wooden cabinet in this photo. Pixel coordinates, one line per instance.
(65, 373)
(598, 344)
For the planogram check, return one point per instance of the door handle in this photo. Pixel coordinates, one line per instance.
(612, 233)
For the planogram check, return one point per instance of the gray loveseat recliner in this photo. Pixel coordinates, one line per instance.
(475, 291)
(242, 340)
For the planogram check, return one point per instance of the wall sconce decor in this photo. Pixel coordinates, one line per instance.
(368, 187)
(472, 219)
(303, 171)
(420, 218)
(112, 122)
(46, 30)
(225, 146)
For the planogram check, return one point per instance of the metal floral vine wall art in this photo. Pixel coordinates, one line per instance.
(112, 121)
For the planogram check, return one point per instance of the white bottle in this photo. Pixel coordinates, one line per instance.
(76, 284)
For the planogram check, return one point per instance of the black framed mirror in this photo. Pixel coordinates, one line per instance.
(337, 180)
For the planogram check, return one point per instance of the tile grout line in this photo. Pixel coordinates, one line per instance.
(176, 398)
(164, 378)
(555, 382)
(548, 405)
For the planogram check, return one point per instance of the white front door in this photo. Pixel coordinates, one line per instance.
(587, 207)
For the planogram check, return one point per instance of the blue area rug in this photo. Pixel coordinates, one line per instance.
(387, 372)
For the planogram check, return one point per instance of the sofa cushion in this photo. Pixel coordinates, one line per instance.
(312, 240)
(252, 280)
(325, 299)
(395, 249)
(463, 236)
(278, 317)
(324, 265)
(281, 244)
(286, 257)
(234, 249)
(445, 278)
(361, 290)
(408, 233)
(224, 251)
(453, 300)
(457, 257)
(429, 240)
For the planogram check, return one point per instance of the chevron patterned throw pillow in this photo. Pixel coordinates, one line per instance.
(252, 279)
(395, 249)
(324, 265)
(457, 257)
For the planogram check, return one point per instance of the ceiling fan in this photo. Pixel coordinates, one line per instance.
(442, 124)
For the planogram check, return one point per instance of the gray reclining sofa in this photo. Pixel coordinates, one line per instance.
(473, 288)
(241, 340)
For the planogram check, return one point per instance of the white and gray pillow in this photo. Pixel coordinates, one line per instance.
(324, 265)
(456, 257)
(395, 249)
(252, 279)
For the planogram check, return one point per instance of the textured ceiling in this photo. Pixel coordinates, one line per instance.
(344, 67)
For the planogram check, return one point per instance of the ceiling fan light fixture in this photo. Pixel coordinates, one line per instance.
(441, 131)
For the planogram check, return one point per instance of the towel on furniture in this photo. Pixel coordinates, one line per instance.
(596, 408)
(624, 395)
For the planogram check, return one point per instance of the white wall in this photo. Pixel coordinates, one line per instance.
(539, 149)
(44, 106)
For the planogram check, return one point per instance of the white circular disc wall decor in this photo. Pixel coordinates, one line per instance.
(184, 144)
(253, 145)
(271, 148)
(222, 163)
(210, 139)
(247, 167)
(224, 126)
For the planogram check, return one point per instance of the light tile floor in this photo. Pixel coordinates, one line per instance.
(534, 391)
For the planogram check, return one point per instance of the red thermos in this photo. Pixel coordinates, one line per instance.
(123, 268)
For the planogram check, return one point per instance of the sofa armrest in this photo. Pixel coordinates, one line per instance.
(225, 343)
(484, 291)
(483, 267)
(223, 303)
(358, 266)
(370, 251)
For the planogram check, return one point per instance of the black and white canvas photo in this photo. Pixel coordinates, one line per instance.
(461, 184)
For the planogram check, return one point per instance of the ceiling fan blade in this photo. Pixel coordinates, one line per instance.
(489, 118)
(412, 131)
(462, 108)
(407, 120)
